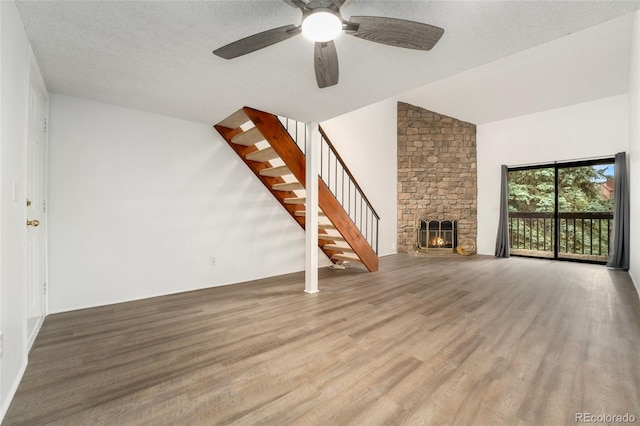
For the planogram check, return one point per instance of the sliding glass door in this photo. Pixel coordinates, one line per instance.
(532, 211)
(562, 211)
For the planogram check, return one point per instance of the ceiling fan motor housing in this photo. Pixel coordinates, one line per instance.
(321, 24)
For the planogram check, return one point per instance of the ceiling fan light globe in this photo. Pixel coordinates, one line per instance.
(321, 26)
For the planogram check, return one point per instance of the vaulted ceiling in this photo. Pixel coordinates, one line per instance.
(156, 56)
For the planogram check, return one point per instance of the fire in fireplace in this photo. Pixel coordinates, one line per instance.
(435, 236)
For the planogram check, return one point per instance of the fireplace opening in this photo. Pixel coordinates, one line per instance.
(437, 236)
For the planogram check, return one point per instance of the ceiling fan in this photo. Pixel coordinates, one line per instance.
(322, 23)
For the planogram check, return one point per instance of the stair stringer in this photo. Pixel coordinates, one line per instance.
(268, 181)
(284, 145)
(255, 167)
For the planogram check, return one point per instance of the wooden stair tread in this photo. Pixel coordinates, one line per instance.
(235, 120)
(275, 171)
(248, 138)
(296, 200)
(262, 155)
(302, 213)
(279, 141)
(287, 186)
(326, 226)
(330, 237)
(346, 257)
(335, 247)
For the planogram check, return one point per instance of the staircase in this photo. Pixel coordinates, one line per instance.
(273, 148)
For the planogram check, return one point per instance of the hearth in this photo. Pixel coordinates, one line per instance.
(436, 236)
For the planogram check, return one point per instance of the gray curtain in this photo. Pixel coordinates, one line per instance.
(502, 241)
(619, 254)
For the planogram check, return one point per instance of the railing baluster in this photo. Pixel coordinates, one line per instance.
(321, 157)
(600, 239)
(304, 128)
(336, 179)
(349, 199)
(377, 230)
(530, 233)
(329, 169)
(360, 215)
(366, 224)
(520, 231)
(511, 232)
(365, 213)
(527, 233)
(609, 230)
(342, 193)
(520, 234)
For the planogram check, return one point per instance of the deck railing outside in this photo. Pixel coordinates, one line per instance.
(585, 235)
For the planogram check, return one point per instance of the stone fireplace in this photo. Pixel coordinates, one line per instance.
(437, 178)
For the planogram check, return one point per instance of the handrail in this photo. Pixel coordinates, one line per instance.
(365, 217)
(285, 121)
(563, 215)
(281, 134)
(346, 169)
(577, 233)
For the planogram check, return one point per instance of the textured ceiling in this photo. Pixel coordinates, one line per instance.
(588, 65)
(156, 56)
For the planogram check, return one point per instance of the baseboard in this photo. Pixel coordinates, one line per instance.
(12, 391)
(14, 388)
(34, 335)
(636, 282)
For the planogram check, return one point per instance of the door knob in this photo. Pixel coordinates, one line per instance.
(34, 222)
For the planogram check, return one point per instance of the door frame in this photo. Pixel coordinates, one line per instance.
(556, 166)
(35, 77)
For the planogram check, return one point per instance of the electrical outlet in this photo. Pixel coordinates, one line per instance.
(1, 344)
(212, 260)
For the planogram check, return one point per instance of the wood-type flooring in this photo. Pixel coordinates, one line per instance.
(447, 340)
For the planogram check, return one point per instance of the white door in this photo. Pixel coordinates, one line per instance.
(36, 206)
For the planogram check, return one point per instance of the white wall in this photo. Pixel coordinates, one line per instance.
(14, 76)
(591, 129)
(367, 141)
(140, 202)
(634, 150)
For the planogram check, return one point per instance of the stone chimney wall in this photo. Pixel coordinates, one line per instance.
(437, 177)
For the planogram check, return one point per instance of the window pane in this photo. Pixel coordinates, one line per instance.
(585, 206)
(531, 211)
